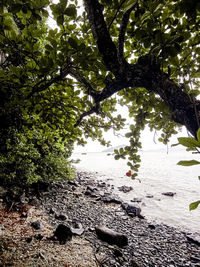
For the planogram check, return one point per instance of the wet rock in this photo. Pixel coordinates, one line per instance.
(170, 194)
(61, 217)
(91, 191)
(37, 225)
(117, 253)
(63, 233)
(73, 183)
(29, 239)
(149, 196)
(138, 200)
(110, 236)
(125, 188)
(151, 226)
(194, 239)
(131, 209)
(52, 211)
(110, 199)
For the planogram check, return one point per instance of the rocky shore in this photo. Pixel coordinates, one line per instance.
(81, 223)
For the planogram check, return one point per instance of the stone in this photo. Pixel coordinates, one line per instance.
(29, 239)
(63, 233)
(37, 225)
(77, 228)
(125, 188)
(194, 239)
(149, 196)
(169, 194)
(138, 200)
(61, 217)
(110, 236)
(110, 199)
(151, 226)
(131, 210)
(52, 211)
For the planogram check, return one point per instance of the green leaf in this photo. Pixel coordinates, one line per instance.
(73, 42)
(175, 144)
(194, 205)
(188, 162)
(121, 150)
(196, 74)
(188, 142)
(129, 4)
(71, 11)
(60, 20)
(198, 135)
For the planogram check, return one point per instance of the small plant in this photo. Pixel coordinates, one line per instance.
(192, 144)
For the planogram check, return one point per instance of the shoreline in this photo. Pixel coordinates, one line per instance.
(86, 203)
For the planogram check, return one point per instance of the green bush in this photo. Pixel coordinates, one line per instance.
(26, 160)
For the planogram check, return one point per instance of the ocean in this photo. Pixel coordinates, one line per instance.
(159, 173)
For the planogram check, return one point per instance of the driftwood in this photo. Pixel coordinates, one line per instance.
(111, 236)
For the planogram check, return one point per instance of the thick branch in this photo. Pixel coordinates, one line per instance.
(80, 78)
(105, 45)
(122, 31)
(94, 109)
(115, 16)
(44, 84)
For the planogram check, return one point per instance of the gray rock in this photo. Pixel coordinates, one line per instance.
(194, 239)
(61, 217)
(77, 228)
(63, 233)
(169, 194)
(125, 188)
(138, 200)
(149, 196)
(131, 209)
(37, 225)
(110, 236)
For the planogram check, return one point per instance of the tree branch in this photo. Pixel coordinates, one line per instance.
(44, 84)
(80, 78)
(105, 45)
(113, 19)
(122, 31)
(94, 109)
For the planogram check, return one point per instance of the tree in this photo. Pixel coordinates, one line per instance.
(66, 82)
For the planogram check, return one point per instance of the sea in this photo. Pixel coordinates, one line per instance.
(158, 174)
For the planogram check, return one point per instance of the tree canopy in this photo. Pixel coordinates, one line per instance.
(61, 85)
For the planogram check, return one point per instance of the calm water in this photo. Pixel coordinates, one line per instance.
(158, 173)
